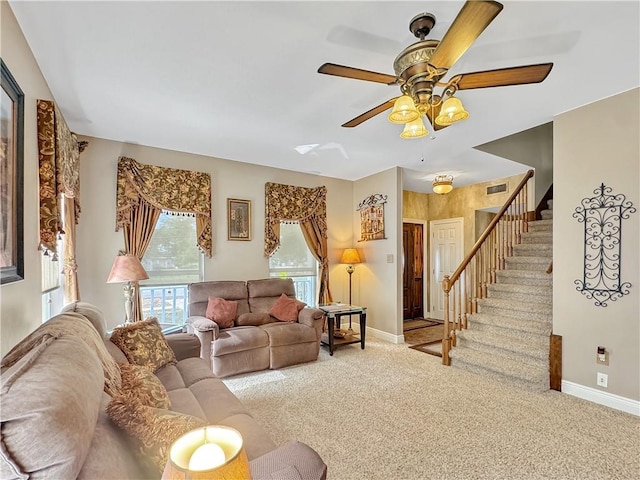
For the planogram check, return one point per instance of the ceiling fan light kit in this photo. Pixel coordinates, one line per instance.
(420, 68)
(404, 110)
(414, 129)
(442, 184)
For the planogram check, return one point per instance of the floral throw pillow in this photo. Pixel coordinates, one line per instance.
(139, 383)
(154, 429)
(143, 344)
(222, 311)
(286, 308)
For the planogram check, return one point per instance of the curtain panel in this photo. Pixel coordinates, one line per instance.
(308, 206)
(59, 180)
(169, 189)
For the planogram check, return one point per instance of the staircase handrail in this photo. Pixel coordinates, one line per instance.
(450, 280)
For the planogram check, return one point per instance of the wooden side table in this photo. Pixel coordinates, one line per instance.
(335, 312)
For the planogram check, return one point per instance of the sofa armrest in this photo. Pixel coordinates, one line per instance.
(184, 345)
(206, 330)
(294, 460)
(312, 317)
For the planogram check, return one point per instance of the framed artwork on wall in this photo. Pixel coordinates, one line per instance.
(372, 217)
(11, 178)
(238, 219)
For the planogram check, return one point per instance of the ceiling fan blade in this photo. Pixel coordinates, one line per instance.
(471, 21)
(357, 73)
(371, 113)
(505, 76)
(432, 113)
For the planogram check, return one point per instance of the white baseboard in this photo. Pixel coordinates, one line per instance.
(387, 337)
(603, 398)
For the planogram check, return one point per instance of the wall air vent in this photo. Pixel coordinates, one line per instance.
(493, 189)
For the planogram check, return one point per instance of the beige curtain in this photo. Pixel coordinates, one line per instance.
(69, 265)
(137, 235)
(308, 206)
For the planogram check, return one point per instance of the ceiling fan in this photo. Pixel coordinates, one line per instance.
(421, 66)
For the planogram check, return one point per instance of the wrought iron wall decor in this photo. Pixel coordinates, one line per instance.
(372, 217)
(602, 216)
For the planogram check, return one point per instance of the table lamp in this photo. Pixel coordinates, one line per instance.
(208, 453)
(127, 269)
(350, 257)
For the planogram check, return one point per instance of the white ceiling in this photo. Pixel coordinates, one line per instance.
(237, 80)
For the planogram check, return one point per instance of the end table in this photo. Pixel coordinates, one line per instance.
(335, 312)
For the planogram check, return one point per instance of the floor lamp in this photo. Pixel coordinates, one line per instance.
(127, 269)
(350, 257)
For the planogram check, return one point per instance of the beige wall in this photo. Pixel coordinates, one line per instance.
(378, 283)
(21, 306)
(594, 144)
(99, 243)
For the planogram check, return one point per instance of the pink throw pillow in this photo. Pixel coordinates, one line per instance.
(222, 311)
(285, 309)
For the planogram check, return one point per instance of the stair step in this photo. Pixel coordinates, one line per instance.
(535, 264)
(524, 277)
(496, 322)
(540, 226)
(545, 237)
(502, 368)
(509, 308)
(533, 250)
(520, 293)
(546, 214)
(534, 347)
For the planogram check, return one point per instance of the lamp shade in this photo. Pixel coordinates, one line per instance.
(350, 256)
(404, 110)
(208, 453)
(414, 129)
(442, 184)
(451, 111)
(126, 268)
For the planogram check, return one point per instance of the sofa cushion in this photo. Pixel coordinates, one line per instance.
(293, 461)
(264, 293)
(200, 292)
(56, 387)
(254, 319)
(281, 334)
(144, 344)
(154, 429)
(222, 311)
(238, 339)
(139, 383)
(286, 309)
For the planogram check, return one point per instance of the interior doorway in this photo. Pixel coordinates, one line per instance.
(413, 271)
(446, 254)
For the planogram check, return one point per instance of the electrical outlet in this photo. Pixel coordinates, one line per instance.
(602, 379)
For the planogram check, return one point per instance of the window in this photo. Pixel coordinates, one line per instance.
(293, 259)
(172, 261)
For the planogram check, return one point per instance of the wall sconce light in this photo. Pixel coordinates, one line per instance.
(442, 184)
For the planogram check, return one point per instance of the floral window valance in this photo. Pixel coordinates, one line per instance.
(169, 189)
(59, 171)
(291, 203)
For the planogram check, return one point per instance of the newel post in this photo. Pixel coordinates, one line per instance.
(446, 339)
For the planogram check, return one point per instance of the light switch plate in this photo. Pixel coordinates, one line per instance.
(389, 257)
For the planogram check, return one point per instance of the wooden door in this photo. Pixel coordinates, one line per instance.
(446, 255)
(413, 271)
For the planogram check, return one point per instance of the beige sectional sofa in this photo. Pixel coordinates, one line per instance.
(257, 340)
(54, 422)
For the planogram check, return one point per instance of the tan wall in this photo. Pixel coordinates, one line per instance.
(21, 305)
(378, 283)
(585, 158)
(99, 243)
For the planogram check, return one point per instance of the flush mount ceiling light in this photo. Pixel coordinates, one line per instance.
(421, 68)
(442, 184)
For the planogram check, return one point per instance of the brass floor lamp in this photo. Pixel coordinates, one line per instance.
(351, 257)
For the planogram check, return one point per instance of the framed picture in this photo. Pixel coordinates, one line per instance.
(11, 178)
(238, 219)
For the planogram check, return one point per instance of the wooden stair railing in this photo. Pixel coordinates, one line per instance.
(478, 270)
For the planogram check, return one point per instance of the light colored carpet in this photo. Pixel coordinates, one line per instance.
(393, 413)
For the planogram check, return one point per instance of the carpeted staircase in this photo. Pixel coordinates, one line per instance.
(508, 338)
